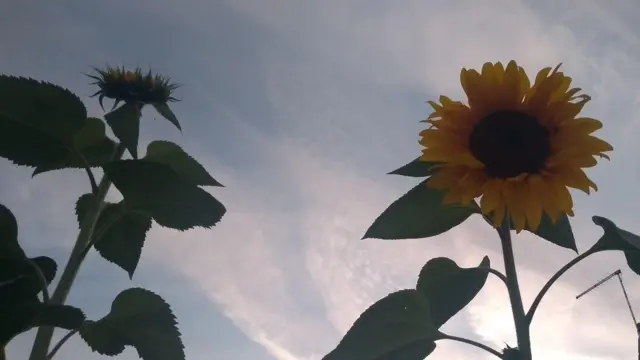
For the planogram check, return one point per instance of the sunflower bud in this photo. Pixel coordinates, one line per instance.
(132, 86)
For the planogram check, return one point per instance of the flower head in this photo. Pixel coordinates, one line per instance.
(132, 86)
(517, 146)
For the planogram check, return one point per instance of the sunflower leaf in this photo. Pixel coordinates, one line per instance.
(138, 318)
(156, 190)
(28, 146)
(559, 233)
(449, 287)
(125, 124)
(9, 246)
(26, 315)
(91, 144)
(164, 110)
(83, 204)
(121, 235)
(171, 154)
(416, 168)
(20, 279)
(37, 120)
(396, 327)
(615, 238)
(419, 214)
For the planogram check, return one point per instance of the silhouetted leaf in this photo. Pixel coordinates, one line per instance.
(449, 287)
(398, 325)
(171, 154)
(419, 214)
(37, 120)
(120, 236)
(9, 246)
(90, 143)
(138, 318)
(27, 146)
(615, 238)
(164, 110)
(416, 168)
(26, 315)
(158, 191)
(83, 204)
(559, 233)
(19, 278)
(125, 124)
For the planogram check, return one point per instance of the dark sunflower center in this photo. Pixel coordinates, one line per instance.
(509, 143)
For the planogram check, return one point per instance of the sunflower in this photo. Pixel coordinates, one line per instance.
(132, 86)
(517, 146)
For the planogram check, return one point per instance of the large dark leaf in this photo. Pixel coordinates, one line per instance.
(26, 315)
(615, 238)
(449, 287)
(397, 327)
(138, 318)
(20, 278)
(171, 154)
(125, 124)
(91, 145)
(120, 236)
(27, 146)
(419, 214)
(43, 106)
(38, 120)
(157, 190)
(416, 168)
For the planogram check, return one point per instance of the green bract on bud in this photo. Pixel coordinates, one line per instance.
(132, 86)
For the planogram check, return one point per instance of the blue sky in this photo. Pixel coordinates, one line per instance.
(300, 108)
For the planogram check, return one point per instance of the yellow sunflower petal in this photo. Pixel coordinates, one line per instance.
(577, 179)
(546, 195)
(532, 207)
(583, 125)
(511, 85)
(516, 195)
(491, 195)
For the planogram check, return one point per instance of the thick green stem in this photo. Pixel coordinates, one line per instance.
(553, 279)
(519, 317)
(45, 333)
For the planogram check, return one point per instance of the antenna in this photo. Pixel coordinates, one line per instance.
(624, 291)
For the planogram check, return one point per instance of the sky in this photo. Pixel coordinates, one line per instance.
(300, 108)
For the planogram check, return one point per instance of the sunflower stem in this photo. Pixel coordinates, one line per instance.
(519, 316)
(552, 280)
(473, 343)
(45, 333)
